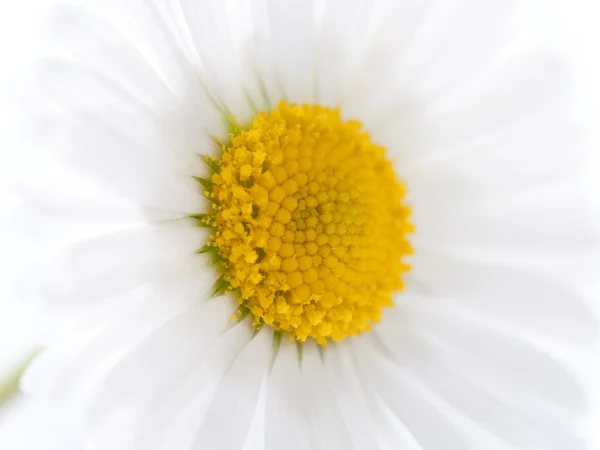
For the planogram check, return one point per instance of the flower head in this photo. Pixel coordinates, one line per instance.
(339, 240)
(309, 223)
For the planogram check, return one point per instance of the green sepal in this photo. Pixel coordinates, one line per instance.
(204, 182)
(221, 286)
(257, 328)
(277, 334)
(232, 129)
(216, 257)
(206, 248)
(211, 163)
(204, 220)
(250, 101)
(242, 309)
(299, 349)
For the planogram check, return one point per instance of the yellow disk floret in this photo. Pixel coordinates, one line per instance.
(310, 222)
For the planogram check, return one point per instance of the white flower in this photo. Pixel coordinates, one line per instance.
(474, 352)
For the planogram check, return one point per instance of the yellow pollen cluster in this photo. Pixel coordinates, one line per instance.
(310, 225)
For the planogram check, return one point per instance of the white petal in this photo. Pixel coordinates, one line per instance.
(71, 31)
(174, 420)
(119, 143)
(434, 49)
(140, 28)
(350, 397)
(250, 36)
(523, 375)
(522, 90)
(456, 41)
(256, 434)
(291, 44)
(286, 421)
(547, 227)
(343, 34)
(144, 145)
(514, 424)
(302, 411)
(234, 405)
(430, 422)
(28, 424)
(530, 154)
(533, 304)
(88, 358)
(216, 51)
(391, 432)
(100, 267)
(52, 198)
(327, 430)
(161, 359)
(376, 48)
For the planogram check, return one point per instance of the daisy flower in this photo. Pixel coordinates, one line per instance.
(341, 225)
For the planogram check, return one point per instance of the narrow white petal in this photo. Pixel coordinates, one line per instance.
(521, 373)
(350, 397)
(327, 430)
(286, 421)
(391, 431)
(430, 422)
(71, 31)
(28, 424)
(161, 360)
(514, 424)
(520, 90)
(142, 134)
(72, 369)
(456, 41)
(250, 36)
(139, 25)
(342, 38)
(529, 155)
(509, 231)
(256, 434)
(234, 405)
(215, 51)
(291, 42)
(131, 150)
(301, 410)
(376, 50)
(524, 300)
(174, 421)
(101, 267)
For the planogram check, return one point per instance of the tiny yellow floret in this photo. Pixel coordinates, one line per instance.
(310, 223)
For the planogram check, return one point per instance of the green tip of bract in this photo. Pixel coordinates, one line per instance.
(221, 286)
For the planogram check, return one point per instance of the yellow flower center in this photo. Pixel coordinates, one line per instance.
(310, 225)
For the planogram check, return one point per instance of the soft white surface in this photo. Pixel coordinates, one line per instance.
(29, 425)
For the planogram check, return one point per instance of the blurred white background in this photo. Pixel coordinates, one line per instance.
(569, 27)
